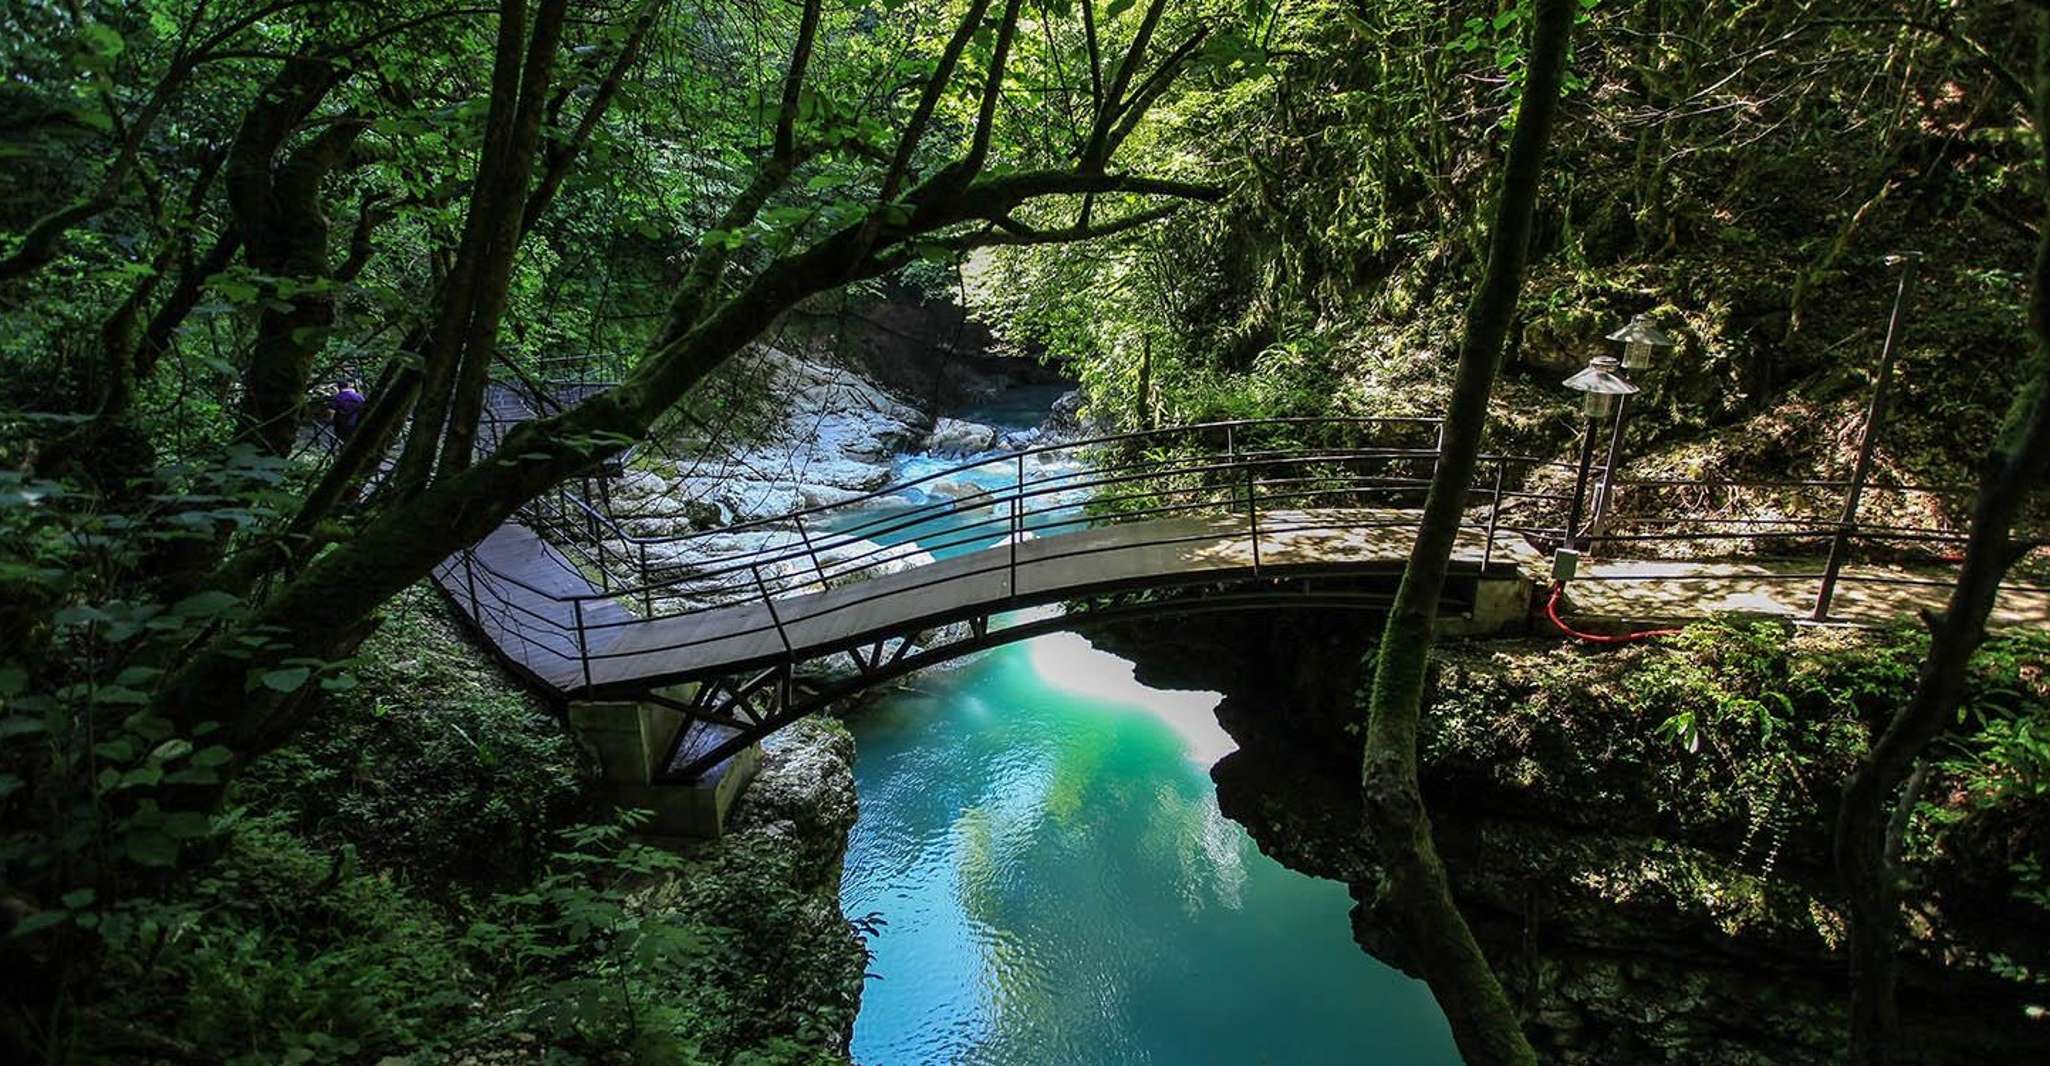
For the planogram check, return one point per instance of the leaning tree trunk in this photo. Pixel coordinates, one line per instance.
(1416, 895)
(2017, 463)
(321, 611)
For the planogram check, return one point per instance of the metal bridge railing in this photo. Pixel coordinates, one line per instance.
(1265, 475)
(1268, 476)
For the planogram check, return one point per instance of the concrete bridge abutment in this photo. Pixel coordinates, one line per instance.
(1501, 604)
(630, 738)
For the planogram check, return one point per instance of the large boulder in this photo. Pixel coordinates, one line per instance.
(958, 438)
(803, 799)
(1064, 421)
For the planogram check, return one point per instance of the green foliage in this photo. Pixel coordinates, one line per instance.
(430, 763)
(385, 886)
(1737, 683)
(285, 953)
(1733, 738)
(1333, 279)
(99, 790)
(575, 947)
(1999, 753)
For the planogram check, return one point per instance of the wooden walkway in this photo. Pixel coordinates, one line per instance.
(1866, 595)
(530, 601)
(547, 618)
(535, 627)
(521, 593)
(1159, 553)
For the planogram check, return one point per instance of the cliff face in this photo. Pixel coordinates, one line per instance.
(1642, 903)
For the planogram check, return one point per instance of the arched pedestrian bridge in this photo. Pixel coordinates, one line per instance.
(731, 633)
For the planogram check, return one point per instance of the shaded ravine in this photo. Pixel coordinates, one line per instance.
(1041, 839)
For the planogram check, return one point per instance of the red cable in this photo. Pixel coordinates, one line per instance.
(1552, 612)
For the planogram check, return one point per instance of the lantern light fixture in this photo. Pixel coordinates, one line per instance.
(1601, 385)
(1643, 342)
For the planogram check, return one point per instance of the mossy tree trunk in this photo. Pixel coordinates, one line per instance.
(1867, 827)
(1416, 894)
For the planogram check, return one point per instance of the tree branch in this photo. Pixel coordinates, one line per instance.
(560, 159)
(508, 194)
(793, 82)
(1014, 233)
(1097, 152)
(992, 87)
(914, 131)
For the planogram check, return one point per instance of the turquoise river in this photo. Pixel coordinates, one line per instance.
(1041, 839)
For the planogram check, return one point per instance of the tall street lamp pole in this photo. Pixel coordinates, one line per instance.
(1602, 391)
(1643, 343)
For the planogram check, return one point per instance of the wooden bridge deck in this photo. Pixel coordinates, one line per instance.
(536, 630)
(533, 622)
(1158, 553)
(548, 619)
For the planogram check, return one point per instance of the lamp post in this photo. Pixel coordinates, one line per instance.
(1643, 343)
(1602, 390)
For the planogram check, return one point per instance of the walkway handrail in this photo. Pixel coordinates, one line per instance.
(1263, 501)
(1268, 487)
(993, 458)
(1035, 498)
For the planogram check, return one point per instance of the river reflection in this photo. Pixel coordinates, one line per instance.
(1041, 836)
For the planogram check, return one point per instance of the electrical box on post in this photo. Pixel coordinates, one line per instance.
(1565, 563)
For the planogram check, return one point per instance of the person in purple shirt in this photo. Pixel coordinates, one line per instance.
(345, 409)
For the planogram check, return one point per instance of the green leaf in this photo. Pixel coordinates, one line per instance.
(187, 825)
(211, 757)
(204, 604)
(233, 289)
(79, 616)
(174, 748)
(1116, 8)
(148, 726)
(119, 694)
(287, 680)
(149, 847)
(137, 675)
(77, 898)
(101, 39)
(39, 920)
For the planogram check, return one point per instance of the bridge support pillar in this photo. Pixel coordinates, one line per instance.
(630, 739)
(1500, 603)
